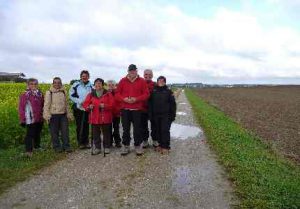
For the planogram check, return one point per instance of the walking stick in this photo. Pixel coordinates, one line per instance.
(101, 109)
(93, 141)
(81, 125)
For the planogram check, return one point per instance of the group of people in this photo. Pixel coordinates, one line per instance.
(133, 101)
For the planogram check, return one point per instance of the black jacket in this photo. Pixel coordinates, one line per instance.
(162, 103)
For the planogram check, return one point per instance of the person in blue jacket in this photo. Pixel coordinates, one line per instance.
(78, 92)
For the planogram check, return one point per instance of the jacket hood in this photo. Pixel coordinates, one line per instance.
(132, 80)
(54, 90)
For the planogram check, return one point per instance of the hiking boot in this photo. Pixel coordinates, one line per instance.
(68, 150)
(96, 151)
(58, 150)
(164, 151)
(27, 154)
(84, 146)
(145, 144)
(118, 145)
(106, 150)
(139, 150)
(155, 143)
(39, 149)
(157, 149)
(125, 150)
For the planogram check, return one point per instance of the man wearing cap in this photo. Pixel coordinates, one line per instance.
(132, 92)
(148, 75)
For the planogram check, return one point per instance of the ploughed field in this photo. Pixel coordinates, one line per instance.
(272, 113)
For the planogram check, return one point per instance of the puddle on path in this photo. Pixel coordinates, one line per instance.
(180, 113)
(183, 132)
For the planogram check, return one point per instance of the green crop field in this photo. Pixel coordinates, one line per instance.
(13, 166)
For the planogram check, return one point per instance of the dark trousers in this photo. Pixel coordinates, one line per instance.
(162, 131)
(82, 126)
(115, 130)
(33, 136)
(144, 127)
(96, 133)
(59, 124)
(134, 117)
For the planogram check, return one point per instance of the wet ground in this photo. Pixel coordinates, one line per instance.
(188, 177)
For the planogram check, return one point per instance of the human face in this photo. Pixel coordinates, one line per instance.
(161, 82)
(57, 84)
(111, 86)
(98, 86)
(85, 77)
(132, 73)
(148, 75)
(33, 85)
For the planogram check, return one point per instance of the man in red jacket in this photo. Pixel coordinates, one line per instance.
(132, 92)
(148, 75)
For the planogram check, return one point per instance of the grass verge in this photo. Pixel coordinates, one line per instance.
(261, 178)
(15, 168)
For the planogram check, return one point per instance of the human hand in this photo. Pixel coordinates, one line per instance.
(91, 106)
(126, 99)
(132, 99)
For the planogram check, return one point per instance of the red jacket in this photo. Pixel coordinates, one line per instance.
(150, 85)
(137, 88)
(99, 115)
(117, 106)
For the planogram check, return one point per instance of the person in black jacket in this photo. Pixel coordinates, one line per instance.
(162, 109)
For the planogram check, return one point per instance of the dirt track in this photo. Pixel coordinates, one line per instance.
(188, 177)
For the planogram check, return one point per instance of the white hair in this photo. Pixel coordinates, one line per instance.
(149, 70)
(111, 81)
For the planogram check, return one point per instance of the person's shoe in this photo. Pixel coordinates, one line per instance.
(125, 150)
(39, 149)
(155, 143)
(58, 150)
(106, 150)
(82, 146)
(28, 154)
(145, 144)
(164, 151)
(96, 151)
(157, 149)
(139, 150)
(118, 145)
(68, 150)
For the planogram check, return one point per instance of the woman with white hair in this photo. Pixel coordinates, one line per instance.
(115, 126)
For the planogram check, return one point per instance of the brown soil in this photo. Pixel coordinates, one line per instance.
(273, 113)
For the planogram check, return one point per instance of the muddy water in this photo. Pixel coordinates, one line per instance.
(181, 113)
(182, 132)
(188, 177)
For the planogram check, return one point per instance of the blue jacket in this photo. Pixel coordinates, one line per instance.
(79, 91)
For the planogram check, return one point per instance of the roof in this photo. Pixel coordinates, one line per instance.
(12, 74)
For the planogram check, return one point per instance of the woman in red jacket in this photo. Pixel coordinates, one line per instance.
(115, 126)
(100, 105)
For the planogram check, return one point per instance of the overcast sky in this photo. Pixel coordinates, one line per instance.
(209, 41)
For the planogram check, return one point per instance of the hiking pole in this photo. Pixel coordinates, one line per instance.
(93, 148)
(101, 109)
(81, 125)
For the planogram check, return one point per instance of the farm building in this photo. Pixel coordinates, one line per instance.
(12, 77)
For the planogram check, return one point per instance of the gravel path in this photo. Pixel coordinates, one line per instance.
(188, 177)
